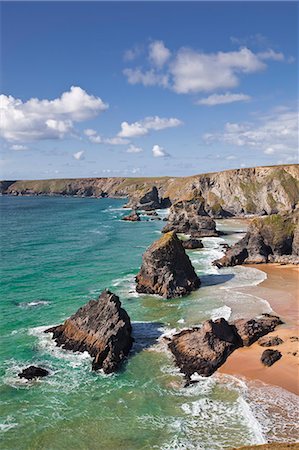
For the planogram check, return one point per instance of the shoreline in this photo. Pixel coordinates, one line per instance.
(281, 290)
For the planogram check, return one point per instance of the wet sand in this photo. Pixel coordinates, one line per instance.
(281, 290)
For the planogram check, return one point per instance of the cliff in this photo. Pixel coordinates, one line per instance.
(260, 190)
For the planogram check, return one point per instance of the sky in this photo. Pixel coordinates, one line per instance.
(93, 89)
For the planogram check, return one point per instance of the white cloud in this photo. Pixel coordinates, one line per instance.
(221, 99)
(159, 152)
(134, 149)
(143, 127)
(18, 147)
(116, 141)
(190, 71)
(79, 155)
(46, 119)
(158, 53)
(273, 134)
(132, 53)
(90, 132)
(147, 78)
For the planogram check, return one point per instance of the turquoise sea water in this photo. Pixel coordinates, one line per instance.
(57, 253)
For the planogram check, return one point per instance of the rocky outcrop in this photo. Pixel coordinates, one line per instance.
(150, 201)
(270, 341)
(269, 239)
(258, 190)
(192, 244)
(132, 217)
(189, 217)
(166, 269)
(203, 350)
(269, 357)
(33, 372)
(102, 328)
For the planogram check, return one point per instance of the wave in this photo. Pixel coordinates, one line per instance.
(33, 304)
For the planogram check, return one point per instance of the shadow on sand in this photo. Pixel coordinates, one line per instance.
(213, 280)
(145, 335)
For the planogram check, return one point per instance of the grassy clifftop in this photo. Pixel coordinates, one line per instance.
(254, 190)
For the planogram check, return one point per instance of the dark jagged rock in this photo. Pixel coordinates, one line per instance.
(166, 269)
(270, 341)
(132, 217)
(102, 328)
(204, 350)
(32, 372)
(269, 357)
(251, 330)
(192, 244)
(150, 201)
(270, 239)
(190, 217)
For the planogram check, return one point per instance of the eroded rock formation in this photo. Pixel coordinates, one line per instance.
(166, 269)
(268, 239)
(192, 244)
(132, 217)
(190, 217)
(102, 328)
(203, 350)
(269, 357)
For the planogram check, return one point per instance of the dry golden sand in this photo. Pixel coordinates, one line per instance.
(281, 290)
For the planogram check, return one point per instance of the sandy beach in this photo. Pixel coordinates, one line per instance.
(281, 290)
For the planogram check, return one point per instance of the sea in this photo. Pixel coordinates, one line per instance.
(59, 252)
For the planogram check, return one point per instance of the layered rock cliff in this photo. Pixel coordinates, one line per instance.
(166, 269)
(102, 328)
(273, 238)
(260, 190)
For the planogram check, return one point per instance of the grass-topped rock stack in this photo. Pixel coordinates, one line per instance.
(166, 269)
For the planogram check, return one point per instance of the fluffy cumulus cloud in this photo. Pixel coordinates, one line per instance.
(143, 127)
(46, 119)
(158, 53)
(79, 155)
(188, 71)
(159, 152)
(95, 138)
(221, 99)
(134, 149)
(273, 134)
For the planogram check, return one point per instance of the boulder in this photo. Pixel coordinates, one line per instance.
(269, 341)
(32, 372)
(251, 330)
(166, 269)
(203, 350)
(269, 357)
(102, 328)
(190, 217)
(132, 217)
(192, 243)
(149, 201)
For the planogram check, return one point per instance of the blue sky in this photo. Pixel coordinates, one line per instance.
(147, 89)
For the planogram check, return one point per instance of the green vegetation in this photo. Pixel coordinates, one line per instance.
(277, 226)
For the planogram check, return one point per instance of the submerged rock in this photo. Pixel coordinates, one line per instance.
(32, 372)
(268, 239)
(205, 349)
(191, 244)
(132, 217)
(269, 341)
(102, 328)
(190, 217)
(269, 357)
(166, 269)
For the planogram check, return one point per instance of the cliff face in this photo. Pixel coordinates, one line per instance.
(260, 190)
(269, 239)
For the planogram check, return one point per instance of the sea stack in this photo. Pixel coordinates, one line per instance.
(102, 328)
(166, 269)
(190, 217)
